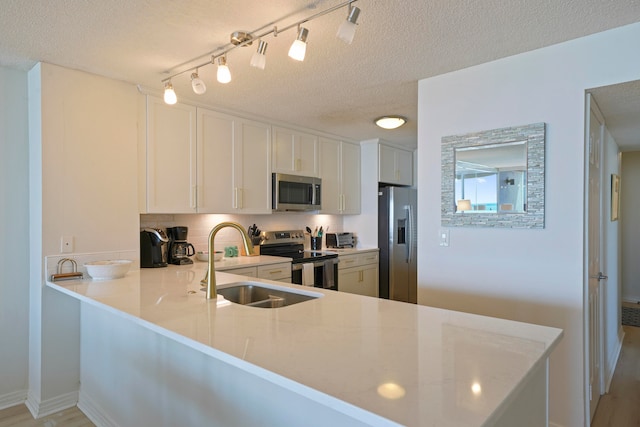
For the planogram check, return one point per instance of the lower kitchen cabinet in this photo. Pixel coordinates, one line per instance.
(280, 272)
(358, 273)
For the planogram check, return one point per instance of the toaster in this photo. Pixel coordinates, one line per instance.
(340, 240)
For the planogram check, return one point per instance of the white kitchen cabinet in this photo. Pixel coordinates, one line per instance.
(358, 273)
(233, 164)
(395, 165)
(294, 152)
(280, 272)
(340, 173)
(171, 157)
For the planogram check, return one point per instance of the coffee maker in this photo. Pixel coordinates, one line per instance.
(179, 249)
(153, 248)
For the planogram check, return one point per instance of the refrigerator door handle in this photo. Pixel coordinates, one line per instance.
(409, 233)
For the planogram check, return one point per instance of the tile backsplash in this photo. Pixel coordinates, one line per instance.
(201, 224)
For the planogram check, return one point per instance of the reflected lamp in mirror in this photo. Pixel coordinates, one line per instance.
(464, 205)
(499, 172)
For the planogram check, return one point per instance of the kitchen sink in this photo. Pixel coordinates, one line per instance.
(254, 294)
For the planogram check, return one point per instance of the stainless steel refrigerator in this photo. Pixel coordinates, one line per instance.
(397, 235)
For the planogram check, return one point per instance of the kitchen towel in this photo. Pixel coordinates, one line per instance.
(328, 274)
(307, 274)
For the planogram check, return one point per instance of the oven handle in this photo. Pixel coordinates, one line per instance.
(298, 266)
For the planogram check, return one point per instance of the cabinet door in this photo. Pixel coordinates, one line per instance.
(362, 280)
(215, 162)
(294, 152)
(350, 178)
(171, 157)
(404, 166)
(386, 164)
(331, 176)
(252, 160)
(280, 272)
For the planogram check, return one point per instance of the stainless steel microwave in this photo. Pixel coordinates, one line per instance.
(295, 193)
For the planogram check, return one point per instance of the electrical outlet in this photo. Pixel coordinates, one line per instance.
(444, 237)
(66, 244)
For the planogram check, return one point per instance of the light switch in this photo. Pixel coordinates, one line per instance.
(444, 237)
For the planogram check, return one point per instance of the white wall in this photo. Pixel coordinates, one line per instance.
(529, 275)
(630, 221)
(83, 183)
(14, 248)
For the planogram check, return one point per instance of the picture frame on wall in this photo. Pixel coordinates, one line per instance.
(615, 197)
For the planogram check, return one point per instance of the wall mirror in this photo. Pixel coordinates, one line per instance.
(494, 178)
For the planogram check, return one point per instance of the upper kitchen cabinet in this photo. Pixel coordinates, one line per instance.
(233, 164)
(170, 173)
(294, 152)
(395, 165)
(340, 173)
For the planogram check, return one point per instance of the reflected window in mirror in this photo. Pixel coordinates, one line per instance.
(492, 178)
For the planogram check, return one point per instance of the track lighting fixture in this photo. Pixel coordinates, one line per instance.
(297, 51)
(224, 75)
(169, 94)
(347, 29)
(198, 84)
(259, 58)
(299, 46)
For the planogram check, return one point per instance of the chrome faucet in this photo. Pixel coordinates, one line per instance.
(210, 278)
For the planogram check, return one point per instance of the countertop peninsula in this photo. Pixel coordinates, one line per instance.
(372, 358)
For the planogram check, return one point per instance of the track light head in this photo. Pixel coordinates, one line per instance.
(169, 94)
(298, 48)
(224, 75)
(347, 29)
(259, 58)
(198, 84)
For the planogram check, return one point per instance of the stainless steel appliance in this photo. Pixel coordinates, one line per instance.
(340, 240)
(397, 235)
(179, 249)
(153, 248)
(311, 268)
(295, 193)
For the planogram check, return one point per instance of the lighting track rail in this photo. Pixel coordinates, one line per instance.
(346, 33)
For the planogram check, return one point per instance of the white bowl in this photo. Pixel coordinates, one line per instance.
(204, 255)
(112, 269)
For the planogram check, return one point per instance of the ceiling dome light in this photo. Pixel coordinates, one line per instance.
(390, 122)
(198, 84)
(259, 58)
(169, 94)
(224, 75)
(299, 46)
(347, 29)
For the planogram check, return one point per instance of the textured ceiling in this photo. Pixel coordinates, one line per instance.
(339, 88)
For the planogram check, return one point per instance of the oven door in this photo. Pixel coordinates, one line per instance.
(295, 193)
(325, 274)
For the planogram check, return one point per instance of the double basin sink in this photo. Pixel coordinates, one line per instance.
(255, 294)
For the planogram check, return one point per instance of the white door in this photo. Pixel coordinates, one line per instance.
(595, 275)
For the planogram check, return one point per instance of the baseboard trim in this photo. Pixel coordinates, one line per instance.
(46, 407)
(613, 362)
(12, 399)
(94, 412)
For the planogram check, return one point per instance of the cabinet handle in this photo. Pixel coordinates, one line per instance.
(275, 272)
(235, 198)
(397, 175)
(298, 166)
(360, 276)
(194, 195)
(239, 200)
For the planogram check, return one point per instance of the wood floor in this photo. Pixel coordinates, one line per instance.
(621, 406)
(19, 416)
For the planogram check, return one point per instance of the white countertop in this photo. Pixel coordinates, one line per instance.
(341, 348)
